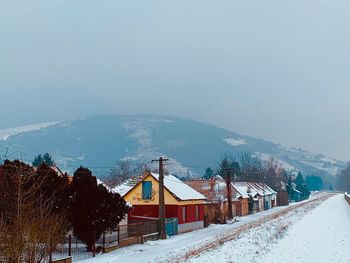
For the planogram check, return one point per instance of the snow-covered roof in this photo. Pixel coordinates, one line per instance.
(213, 190)
(216, 190)
(263, 189)
(295, 190)
(171, 183)
(253, 189)
(125, 187)
(179, 188)
(242, 190)
(100, 182)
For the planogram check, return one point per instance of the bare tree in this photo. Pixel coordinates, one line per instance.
(252, 168)
(123, 170)
(29, 229)
(274, 174)
(32, 237)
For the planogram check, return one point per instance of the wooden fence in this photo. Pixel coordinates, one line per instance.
(73, 248)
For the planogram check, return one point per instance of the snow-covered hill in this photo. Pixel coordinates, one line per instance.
(6, 133)
(192, 146)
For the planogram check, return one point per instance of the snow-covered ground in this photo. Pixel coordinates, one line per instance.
(321, 236)
(177, 246)
(308, 234)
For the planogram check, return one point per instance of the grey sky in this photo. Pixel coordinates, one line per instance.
(274, 69)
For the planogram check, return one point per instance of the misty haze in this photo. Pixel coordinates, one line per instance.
(174, 131)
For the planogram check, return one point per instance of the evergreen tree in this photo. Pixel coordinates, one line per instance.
(299, 181)
(228, 163)
(53, 187)
(302, 186)
(343, 180)
(37, 160)
(289, 186)
(209, 173)
(315, 183)
(46, 158)
(93, 209)
(305, 191)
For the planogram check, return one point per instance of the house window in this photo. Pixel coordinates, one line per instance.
(197, 213)
(184, 214)
(147, 190)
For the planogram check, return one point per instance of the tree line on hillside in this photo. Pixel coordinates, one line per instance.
(38, 207)
(343, 179)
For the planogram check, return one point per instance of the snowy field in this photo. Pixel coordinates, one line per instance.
(321, 236)
(245, 247)
(308, 234)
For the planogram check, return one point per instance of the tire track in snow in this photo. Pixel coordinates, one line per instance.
(213, 244)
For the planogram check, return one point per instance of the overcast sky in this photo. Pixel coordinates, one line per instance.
(278, 70)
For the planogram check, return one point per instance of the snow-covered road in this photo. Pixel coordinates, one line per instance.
(308, 234)
(163, 251)
(160, 250)
(321, 236)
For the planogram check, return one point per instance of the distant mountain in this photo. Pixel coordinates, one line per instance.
(192, 146)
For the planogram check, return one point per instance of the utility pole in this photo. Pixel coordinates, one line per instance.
(265, 207)
(162, 230)
(229, 192)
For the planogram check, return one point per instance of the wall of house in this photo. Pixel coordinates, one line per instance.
(151, 211)
(256, 206)
(191, 215)
(139, 212)
(282, 198)
(261, 204)
(268, 199)
(183, 228)
(241, 207)
(274, 200)
(245, 205)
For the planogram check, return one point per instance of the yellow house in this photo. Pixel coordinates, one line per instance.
(181, 202)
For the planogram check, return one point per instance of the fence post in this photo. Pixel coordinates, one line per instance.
(142, 225)
(94, 246)
(118, 235)
(70, 245)
(50, 256)
(138, 226)
(104, 243)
